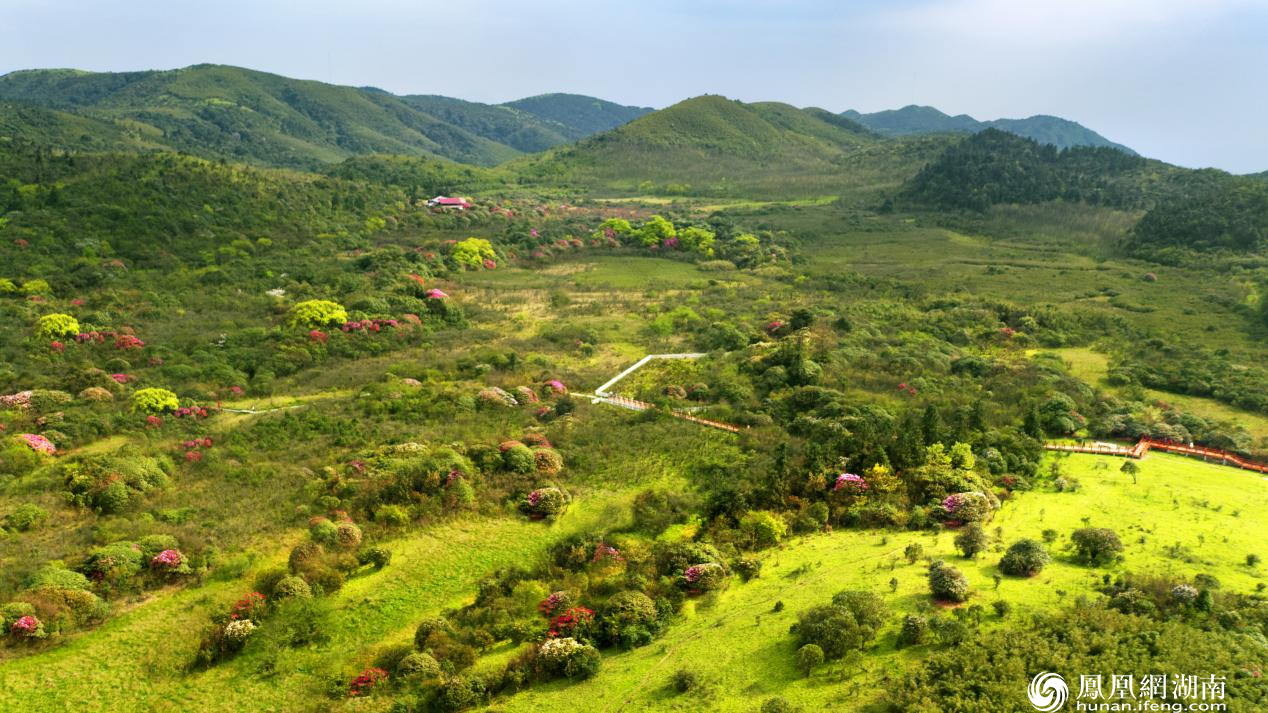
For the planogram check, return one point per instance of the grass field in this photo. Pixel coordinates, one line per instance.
(744, 653)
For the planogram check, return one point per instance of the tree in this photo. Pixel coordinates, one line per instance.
(947, 582)
(913, 552)
(1130, 468)
(972, 540)
(472, 252)
(318, 313)
(849, 623)
(1024, 558)
(763, 528)
(808, 657)
(1096, 545)
(697, 240)
(57, 326)
(654, 230)
(154, 401)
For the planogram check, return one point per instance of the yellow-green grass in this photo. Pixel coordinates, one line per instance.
(743, 651)
(1092, 367)
(136, 660)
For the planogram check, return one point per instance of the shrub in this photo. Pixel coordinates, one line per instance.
(57, 577)
(114, 564)
(545, 503)
(323, 530)
(971, 540)
(947, 582)
(705, 577)
(292, 587)
(314, 314)
(685, 680)
(1024, 558)
(426, 628)
(519, 458)
(392, 516)
(674, 557)
(568, 657)
(763, 529)
(777, 705)
(1002, 608)
(25, 517)
(418, 665)
(627, 619)
(57, 326)
(547, 461)
(748, 568)
(915, 631)
(347, 536)
(154, 401)
(377, 557)
(1096, 546)
(913, 552)
(808, 657)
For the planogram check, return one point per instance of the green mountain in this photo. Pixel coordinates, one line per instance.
(228, 112)
(913, 119)
(711, 145)
(518, 129)
(581, 115)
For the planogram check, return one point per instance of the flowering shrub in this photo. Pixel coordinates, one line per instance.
(494, 396)
(250, 605)
(38, 443)
(154, 401)
(57, 326)
(167, 560)
(526, 395)
(556, 387)
(20, 401)
(604, 551)
(548, 461)
(699, 578)
(127, 341)
(967, 507)
(537, 440)
(372, 325)
(850, 483)
(545, 503)
(28, 627)
(556, 602)
(347, 535)
(573, 622)
(316, 335)
(315, 314)
(435, 294)
(366, 681)
(507, 445)
(238, 631)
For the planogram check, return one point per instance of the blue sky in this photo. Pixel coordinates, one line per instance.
(1180, 80)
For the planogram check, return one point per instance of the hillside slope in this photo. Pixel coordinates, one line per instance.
(711, 145)
(228, 112)
(581, 115)
(916, 120)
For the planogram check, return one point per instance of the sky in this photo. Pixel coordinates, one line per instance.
(1180, 80)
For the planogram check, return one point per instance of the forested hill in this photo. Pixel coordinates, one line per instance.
(994, 167)
(917, 120)
(217, 111)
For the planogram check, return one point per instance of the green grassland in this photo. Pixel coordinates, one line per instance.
(742, 649)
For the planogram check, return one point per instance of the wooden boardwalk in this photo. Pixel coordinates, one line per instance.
(605, 396)
(1144, 445)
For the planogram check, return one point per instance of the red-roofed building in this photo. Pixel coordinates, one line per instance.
(444, 203)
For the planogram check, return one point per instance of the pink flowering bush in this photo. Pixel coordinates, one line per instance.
(435, 294)
(20, 401)
(28, 627)
(121, 378)
(545, 503)
(706, 577)
(556, 387)
(170, 562)
(128, 341)
(605, 552)
(38, 443)
(850, 483)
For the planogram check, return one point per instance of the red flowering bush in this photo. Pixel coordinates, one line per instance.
(366, 681)
(574, 622)
(28, 627)
(250, 606)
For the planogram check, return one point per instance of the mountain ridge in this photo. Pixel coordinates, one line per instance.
(915, 119)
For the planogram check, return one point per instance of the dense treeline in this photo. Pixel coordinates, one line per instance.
(996, 167)
(1230, 213)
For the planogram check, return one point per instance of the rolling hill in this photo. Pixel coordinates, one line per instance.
(711, 145)
(239, 114)
(916, 120)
